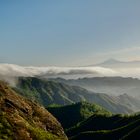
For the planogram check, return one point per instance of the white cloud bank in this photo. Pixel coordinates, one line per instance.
(9, 72)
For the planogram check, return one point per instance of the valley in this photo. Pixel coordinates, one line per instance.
(80, 114)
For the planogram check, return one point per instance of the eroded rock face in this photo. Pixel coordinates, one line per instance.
(21, 119)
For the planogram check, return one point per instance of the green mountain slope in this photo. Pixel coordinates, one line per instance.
(124, 91)
(21, 119)
(70, 115)
(51, 92)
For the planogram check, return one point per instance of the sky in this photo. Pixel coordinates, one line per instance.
(68, 32)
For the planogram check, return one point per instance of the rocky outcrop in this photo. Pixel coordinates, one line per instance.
(21, 119)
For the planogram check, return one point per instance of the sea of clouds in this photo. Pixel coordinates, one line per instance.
(10, 72)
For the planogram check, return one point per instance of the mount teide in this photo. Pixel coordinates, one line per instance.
(114, 63)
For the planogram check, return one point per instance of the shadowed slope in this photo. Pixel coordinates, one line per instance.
(72, 114)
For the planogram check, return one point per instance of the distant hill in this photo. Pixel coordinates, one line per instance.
(70, 115)
(114, 63)
(21, 119)
(53, 92)
(110, 62)
(99, 127)
(109, 85)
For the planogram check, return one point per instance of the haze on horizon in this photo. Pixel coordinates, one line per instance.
(68, 33)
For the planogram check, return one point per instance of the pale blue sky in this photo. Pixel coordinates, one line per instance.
(68, 32)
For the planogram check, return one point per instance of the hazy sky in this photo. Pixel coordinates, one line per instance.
(68, 32)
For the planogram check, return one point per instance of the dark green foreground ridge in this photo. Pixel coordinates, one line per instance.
(101, 127)
(92, 122)
(70, 115)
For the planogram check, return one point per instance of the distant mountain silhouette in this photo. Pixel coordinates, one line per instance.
(109, 85)
(118, 63)
(120, 90)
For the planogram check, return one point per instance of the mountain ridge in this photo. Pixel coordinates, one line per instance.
(48, 92)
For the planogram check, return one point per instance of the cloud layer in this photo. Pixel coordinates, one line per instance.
(9, 72)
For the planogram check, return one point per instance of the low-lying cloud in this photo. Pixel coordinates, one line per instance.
(9, 72)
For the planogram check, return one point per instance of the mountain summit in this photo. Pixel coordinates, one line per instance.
(110, 63)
